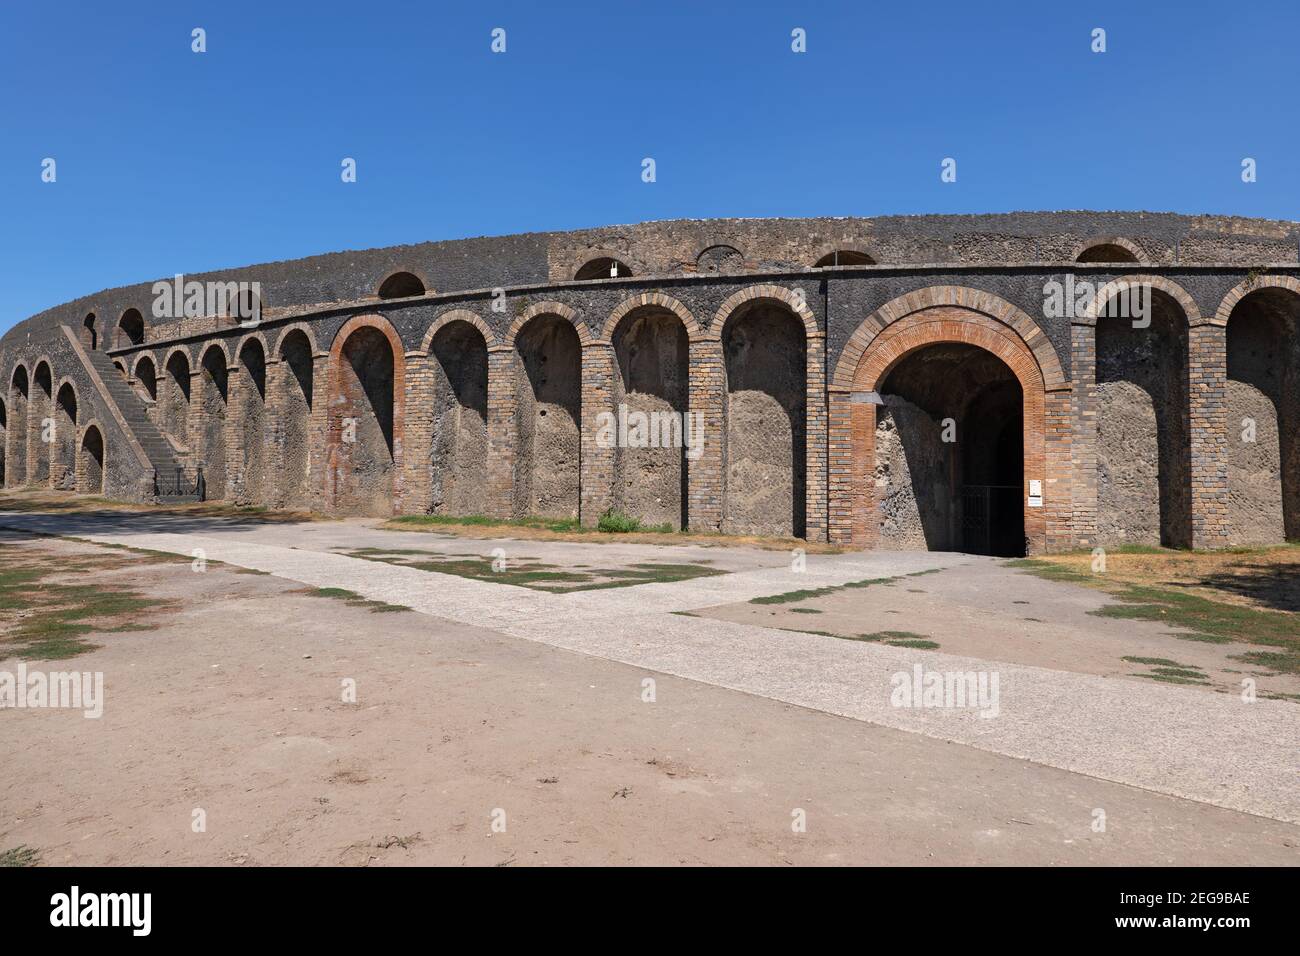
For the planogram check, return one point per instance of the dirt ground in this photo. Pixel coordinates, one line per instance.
(232, 706)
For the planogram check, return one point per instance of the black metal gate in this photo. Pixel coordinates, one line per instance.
(988, 513)
(177, 487)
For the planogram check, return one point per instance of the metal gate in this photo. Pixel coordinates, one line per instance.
(982, 507)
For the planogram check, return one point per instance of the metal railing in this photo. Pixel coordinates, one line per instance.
(179, 486)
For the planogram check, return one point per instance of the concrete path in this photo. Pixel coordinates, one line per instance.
(1212, 748)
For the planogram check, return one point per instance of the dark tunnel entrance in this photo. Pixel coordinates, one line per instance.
(950, 453)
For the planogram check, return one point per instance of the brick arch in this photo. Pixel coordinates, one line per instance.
(651, 300)
(220, 346)
(584, 256)
(305, 329)
(1245, 288)
(44, 360)
(140, 357)
(973, 302)
(458, 315)
(550, 308)
(853, 503)
(418, 273)
(334, 426)
(189, 359)
(21, 364)
(1138, 252)
(771, 293)
(825, 249)
(267, 355)
(80, 477)
(1172, 289)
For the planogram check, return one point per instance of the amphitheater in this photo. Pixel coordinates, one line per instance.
(896, 383)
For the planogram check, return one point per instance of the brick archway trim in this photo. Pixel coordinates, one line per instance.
(305, 329)
(458, 315)
(972, 301)
(140, 358)
(1172, 289)
(267, 355)
(824, 250)
(183, 350)
(550, 308)
(651, 300)
(773, 293)
(1138, 252)
(1245, 288)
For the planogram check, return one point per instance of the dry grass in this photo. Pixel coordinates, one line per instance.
(60, 502)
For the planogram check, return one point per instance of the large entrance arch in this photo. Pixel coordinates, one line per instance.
(948, 429)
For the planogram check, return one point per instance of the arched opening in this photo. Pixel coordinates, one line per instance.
(130, 328)
(121, 367)
(1263, 409)
(844, 257)
(766, 371)
(4, 439)
(1107, 252)
(214, 391)
(64, 464)
(548, 418)
(146, 380)
(363, 463)
(175, 413)
(251, 399)
(90, 470)
(605, 267)
(724, 260)
(651, 392)
(41, 424)
(295, 420)
(16, 463)
(401, 285)
(949, 444)
(89, 335)
(1143, 445)
(458, 458)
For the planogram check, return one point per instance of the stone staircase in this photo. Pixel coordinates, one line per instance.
(156, 447)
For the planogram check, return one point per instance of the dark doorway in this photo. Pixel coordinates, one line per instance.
(950, 453)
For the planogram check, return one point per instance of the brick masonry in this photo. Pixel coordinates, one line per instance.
(857, 321)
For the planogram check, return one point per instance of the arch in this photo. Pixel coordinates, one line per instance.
(844, 254)
(1100, 249)
(89, 334)
(174, 412)
(458, 451)
(720, 258)
(91, 461)
(130, 328)
(16, 436)
(796, 303)
(63, 452)
(1141, 396)
(145, 372)
(657, 300)
(41, 407)
(366, 418)
(975, 300)
(603, 267)
(402, 284)
(651, 396)
(1246, 287)
(1262, 412)
(548, 343)
(303, 327)
(1123, 283)
(949, 326)
(459, 315)
(295, 385)
(4, 438)
(257, 337)
(549, 308)
(212, 402)
(250, 414)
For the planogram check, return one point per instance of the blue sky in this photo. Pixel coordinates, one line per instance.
(169, 161)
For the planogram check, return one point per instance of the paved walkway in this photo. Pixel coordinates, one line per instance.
(1207, 747)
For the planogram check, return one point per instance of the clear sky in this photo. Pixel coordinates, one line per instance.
(173, 161)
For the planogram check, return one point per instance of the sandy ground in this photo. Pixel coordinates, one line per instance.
(233, 706)
(981, 609)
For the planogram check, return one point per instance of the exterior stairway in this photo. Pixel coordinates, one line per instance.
(156, 446)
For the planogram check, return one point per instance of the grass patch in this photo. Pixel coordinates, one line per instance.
(900, 639)
(20, 856)
(804, 594)
(1282, 662)
(483, 521)
(804, 610)
(353, 599)
(616, 522)
(1169, 679)
(1153, 661)
(1205, 619)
